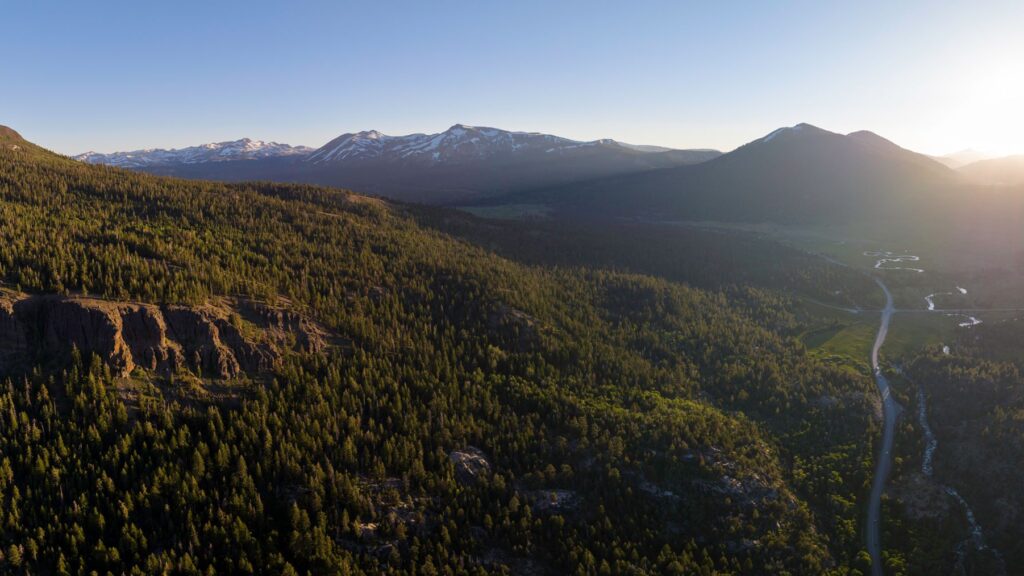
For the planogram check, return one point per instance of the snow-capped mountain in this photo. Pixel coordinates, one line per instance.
(461, 163)
(466, 162)
(460, 143)
(244, 149)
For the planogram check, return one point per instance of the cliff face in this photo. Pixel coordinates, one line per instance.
(220, 340)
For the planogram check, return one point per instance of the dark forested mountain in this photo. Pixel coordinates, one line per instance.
(324, 383)
(461, 163)
(796, 174)
(975, 401)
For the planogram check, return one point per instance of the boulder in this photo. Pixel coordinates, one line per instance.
(471, 465)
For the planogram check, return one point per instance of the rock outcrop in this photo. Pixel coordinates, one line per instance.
(516, 329)
(221, 340)
(13, 344)
(471, 464)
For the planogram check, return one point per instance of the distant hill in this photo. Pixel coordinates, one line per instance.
(1001, 171)
(796, 174)
(460, 164)
(961, 158)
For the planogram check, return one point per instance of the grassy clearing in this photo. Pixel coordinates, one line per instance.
(852, 341)
(844, 337)
(912, 331)
(909, 332)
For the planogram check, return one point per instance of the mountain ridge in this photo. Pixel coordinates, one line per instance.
(241, 149)
(462, 163)
(461, 142)
(797, 173)
(441, 146)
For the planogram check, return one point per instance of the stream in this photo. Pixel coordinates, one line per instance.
(976, 540)
(891, 410)
(885, 257)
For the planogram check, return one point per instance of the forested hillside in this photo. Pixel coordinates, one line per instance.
(699, 256)
(474, 413)
(976, 404)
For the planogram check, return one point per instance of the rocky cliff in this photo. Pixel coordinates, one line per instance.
(219, 340)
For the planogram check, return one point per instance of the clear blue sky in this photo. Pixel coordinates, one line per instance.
(113, 75)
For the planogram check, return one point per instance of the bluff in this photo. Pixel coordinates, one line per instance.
(222, 339)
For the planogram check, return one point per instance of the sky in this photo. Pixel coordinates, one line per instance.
(109, 75)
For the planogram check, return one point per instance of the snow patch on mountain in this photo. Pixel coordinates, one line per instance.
(788, 129)
(458, 143)
(244, 149)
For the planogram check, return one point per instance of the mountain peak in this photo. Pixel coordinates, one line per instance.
(802, 128)
(460, 142)
(467, 131)
(11, 140)
(808, 140)
(9, 135)
(872, 138)
(243, 149)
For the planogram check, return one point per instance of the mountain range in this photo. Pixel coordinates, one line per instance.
(794, 174)
(244, 149)
(317, 382)
(667, 383)
(462, 163)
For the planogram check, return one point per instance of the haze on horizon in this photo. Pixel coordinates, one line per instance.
(122, 76)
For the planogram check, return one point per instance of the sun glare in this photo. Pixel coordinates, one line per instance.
(987, 112)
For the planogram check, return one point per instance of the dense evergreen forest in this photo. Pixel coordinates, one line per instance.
(976, 407)
(701, 256)
(497, 408)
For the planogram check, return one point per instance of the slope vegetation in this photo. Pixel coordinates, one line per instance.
(485, 416)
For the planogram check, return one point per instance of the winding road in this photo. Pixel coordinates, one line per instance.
(890, 410)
